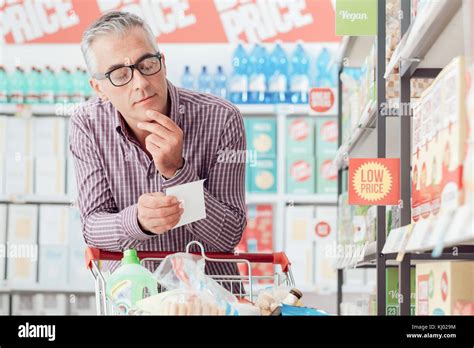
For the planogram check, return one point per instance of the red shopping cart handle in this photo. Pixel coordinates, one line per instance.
(276, 258)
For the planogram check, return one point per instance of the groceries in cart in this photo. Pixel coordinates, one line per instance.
(190, 291)
(130, 283)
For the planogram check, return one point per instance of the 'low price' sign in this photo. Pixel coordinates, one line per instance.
(374, 181)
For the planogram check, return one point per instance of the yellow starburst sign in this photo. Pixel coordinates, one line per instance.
(374, 181)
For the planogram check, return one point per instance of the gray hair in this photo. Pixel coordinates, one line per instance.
(114, 22)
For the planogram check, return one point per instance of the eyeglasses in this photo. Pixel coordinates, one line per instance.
(120, 76)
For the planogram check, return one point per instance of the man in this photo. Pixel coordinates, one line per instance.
(143, 135)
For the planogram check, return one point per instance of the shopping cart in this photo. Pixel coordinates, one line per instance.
(245, 283)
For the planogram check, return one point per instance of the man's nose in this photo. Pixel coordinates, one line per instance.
(139, 81)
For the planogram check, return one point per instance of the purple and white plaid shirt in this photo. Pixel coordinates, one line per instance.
(112, 171)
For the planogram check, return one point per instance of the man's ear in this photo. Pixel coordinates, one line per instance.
(163, 61)
(96, 87)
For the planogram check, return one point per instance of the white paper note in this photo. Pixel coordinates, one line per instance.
(192, 197)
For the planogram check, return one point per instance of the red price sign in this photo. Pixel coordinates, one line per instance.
(321, 99)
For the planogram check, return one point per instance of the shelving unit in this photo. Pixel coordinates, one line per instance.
(425, 48)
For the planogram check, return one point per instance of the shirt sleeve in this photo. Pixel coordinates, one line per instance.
(103, 226)
(224, 191)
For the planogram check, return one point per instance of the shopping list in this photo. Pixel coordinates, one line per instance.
(191, 195)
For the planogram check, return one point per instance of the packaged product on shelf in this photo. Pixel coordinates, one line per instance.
(18, 175)
(344, 224)
(261, 136)
(71, 183)
(53, 224)
(300, 173)
(3, 135)
(326, 137)
(24, 304)
(371, 224)
(463, 308)
(300, 139)
(51, 304)
(418, 86)
(299, 242)
(22, 248)
(441, 284)
(82, 304)
(78, 275)
(53, 265)
(2, 175)
(19, 137)
(359, 224)
(263, 175)
(49, 136)
(439, 143)
(325, 227)
(326, 176)
(258, 237)
(4, 304)
(3, 239)
(392, 297)
(468, 170)
(74, 227)
(50, 176)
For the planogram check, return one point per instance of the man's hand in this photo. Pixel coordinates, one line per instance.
(158, 213)
(165, 143)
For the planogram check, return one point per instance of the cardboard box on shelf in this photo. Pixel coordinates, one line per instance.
(2, 175)
(76, 237)
(22, 223)
(300, 140)
(82, 304)
(262, 136)
(18, 175)
(299, 242)
(441, 284)
(263, 175)
(4, 304)
(258, 236)
(326, 176)
(325, 229)
(49, 137)
(53, 265)
(300, 173)
(78, 275)
(71, 184)
(326, 137)
(18, 131)
(51, 304)
(3, 239)
(3, 136)
(53, 224)
(439, 143)
(50, 176)
(24, 304)
(392, 298)
(463, 308)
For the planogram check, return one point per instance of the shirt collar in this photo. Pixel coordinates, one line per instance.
(175, 115)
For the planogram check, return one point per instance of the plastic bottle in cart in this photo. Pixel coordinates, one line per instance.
(238, 84)
(47, 86)
(299, 79)
(257, 79)
(220, 83)
(278, 77)
(187, 79)
(33, 86)
(204, 81)
(130, 283)
(3, 85)
(17, 86)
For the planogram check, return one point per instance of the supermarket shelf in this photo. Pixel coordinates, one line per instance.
(273, 109)
(326, 199)
(36, 199)
(28, 289)
(429, 41)
(366, 123)
(57, 109)
(353, 50)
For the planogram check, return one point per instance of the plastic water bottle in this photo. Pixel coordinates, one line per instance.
(130, 283)
(278, 79)
(33, 86)
(63, 86)
(187, 79)
(3, 85)
(47, 86)
(257, 82)
(17, 85)
(220, 83)
(205, 81)
(78, 89)
(87, 89)
(238, 84)
(299, 80)
(323, 76)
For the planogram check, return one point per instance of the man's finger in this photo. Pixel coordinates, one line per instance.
(155, 128)
(155, 141)
(162, 119)
(155, 213)
(154, 201)
(168, 221)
